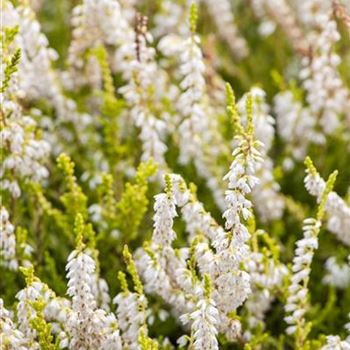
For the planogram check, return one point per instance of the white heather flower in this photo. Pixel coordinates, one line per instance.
(99, 289)
(338, 212)
(84, 323)
(296, 305)
(266, 195)
(204, 319)
(57, 311)
(193, 213)
(112, 339)
(189, 105)
(37, 79)
(241, 179)
(164, 207)
(232, 284)
(264, 123)
(230, 288)
(24, 154)
(140, 91)
(265, 277)
(199, 221)
(326, 94)
(222, 15)
(131, 312)
(11, 337)
(7, 241)
(166, 283)
(163, 269)
(337, 275)
(335, 343)
(198, 137)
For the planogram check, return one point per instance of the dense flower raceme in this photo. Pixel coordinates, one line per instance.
(266, 196)
(151, 155)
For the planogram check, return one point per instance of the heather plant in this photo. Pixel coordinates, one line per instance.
(175, 175)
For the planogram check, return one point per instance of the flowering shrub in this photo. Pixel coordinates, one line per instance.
(175, 174)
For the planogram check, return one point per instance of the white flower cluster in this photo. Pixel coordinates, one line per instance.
(89, 326)
(297, 301)
(36, 79)
(326, 94)
(298, 295)
(11, 337)
(337, 275)
(198, 141)
(131, 315)
(241, 180)
(24, 154)
(164, 271)
(164, 208)
(266, 197)
(197, 220)
(335, 343)
(204, 319)
(196, 124)
(84, 322)
(266, 275)
(198, 223)
(232, 250)
(7, 241)
(138, 93)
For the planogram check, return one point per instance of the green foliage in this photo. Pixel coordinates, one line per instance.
(145, 342)
(131, 267)
(10, 69)
(193, 17)
(11, 61)
(133, 204)
(74, 199)
(43, 328)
